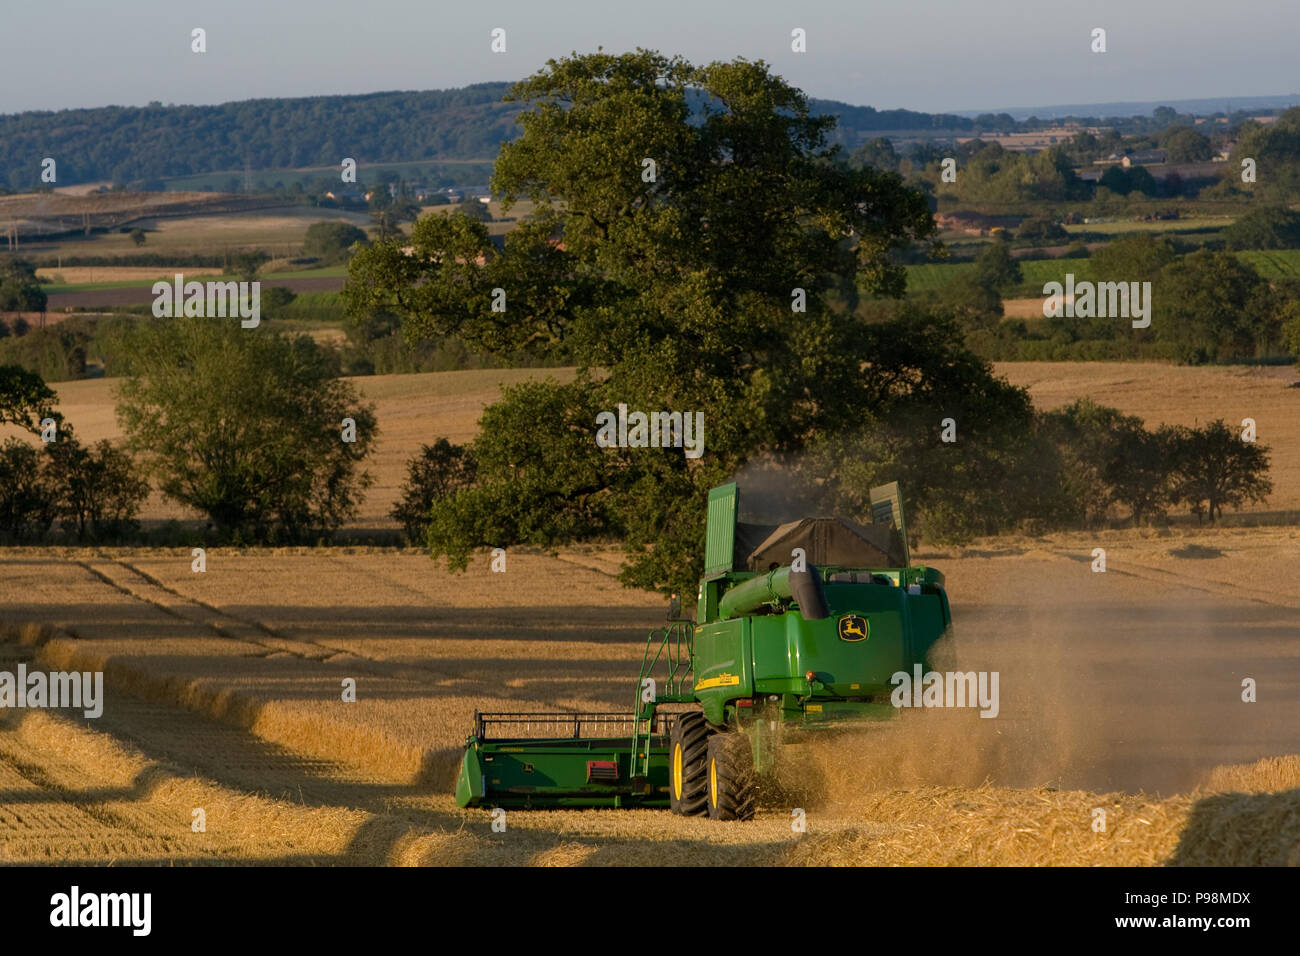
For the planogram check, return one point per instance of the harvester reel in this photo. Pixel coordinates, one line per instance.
(688, 754)
(730, 777)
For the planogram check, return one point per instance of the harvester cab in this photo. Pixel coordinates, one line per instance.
(799, 627)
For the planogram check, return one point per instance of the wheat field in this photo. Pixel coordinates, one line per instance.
(1122, 692)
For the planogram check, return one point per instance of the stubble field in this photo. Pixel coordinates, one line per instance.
(1120, 691)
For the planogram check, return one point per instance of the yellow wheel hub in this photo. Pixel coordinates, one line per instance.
(677, 771)
(713, 781)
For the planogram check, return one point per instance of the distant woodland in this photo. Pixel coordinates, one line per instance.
(144, 145)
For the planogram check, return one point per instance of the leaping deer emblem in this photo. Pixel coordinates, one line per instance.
(853, 628)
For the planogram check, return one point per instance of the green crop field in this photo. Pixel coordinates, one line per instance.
(1121, 226)
(326, 272)
(315, 307)
(1038, 272)
(267, 279)
(931, 277)
(56, 288)
(1274, 263)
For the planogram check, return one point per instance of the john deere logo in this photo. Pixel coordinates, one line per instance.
(853, 627)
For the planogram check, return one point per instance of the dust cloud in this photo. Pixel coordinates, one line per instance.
(1137, 694)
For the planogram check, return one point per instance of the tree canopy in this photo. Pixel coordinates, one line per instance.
(1185, 144)
(1275, 148)
(1212, 306)
(246, 427)
(1267, 227)
(692, 239)
(19, 289)
(25, 399)
(1133, 258)
(989, 173)
(128, 144)
(332, 240)
(1216, 468)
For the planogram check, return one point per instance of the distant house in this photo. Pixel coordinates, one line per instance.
(969, 223)
(1161, 171)
(498, 243)
(1143, 157)
(347, 195)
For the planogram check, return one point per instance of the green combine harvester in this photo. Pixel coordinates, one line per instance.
(799, 627)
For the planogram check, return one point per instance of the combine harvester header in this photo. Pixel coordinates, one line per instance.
(784, 642)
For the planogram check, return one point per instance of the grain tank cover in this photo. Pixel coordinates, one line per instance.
(733, 545)
(720, 533)
(830, 541)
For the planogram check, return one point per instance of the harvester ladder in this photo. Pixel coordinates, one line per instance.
(674, 645)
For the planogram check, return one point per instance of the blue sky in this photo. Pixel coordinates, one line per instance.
(921, 54)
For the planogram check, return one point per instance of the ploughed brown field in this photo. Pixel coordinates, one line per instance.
(1120, 692)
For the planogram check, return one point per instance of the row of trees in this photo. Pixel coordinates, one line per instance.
(255, 431)
(150, 143)
(20, 290)
(1076, 468)
(130, 144)
(988, 173)
(94, 492)
(1206, 306)
(1266, 227)
(1275, 148)
(1181, 141)
(1111, 459)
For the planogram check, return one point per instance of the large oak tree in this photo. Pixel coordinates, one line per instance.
(678, 215)
(246, 426)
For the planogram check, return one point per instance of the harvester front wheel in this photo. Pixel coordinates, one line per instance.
(688, 752)
(730, 777)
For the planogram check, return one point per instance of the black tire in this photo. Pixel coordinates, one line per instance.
(688, 753)
(730, 777)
